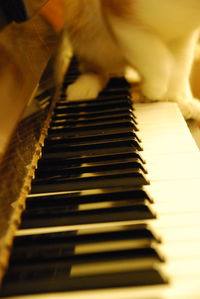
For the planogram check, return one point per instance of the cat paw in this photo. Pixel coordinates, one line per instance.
(190, 109)
(136, 94)
(140, 94)
(77, 91)
(86, 87)
(153, 91)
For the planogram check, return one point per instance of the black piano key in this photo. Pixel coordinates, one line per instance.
(149, 276)
(66, 209)
(101, 106)
(116, 83)
(51, 140)
(55, 169)
(93, 126)
(96, 132)
(45, 162)
(70, 79)
(62, 129)
(45, 246)
(72, 74)
(134, 267)
(77, 161)
(72, 70)
(111, 96)
(62, 150)
(104, 149)
(102, 101)
(95, 114)
(73, 257)
(60, 141)
(77, 260)
(124, 115)
(85, 122)
(91, 118)
(88, 196)
(106, 179)
(86, 214)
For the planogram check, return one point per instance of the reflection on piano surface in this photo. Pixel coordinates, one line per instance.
(113, 210)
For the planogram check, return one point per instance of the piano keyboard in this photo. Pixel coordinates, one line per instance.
(93, 224)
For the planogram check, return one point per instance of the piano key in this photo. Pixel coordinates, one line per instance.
(91, 118)
(61, 129)
(75, 134)
(116, 83)
(110, 112)
(139, 267)
(111, 96)
(92, 108)
(98, 150)
(73, 121)
(108, 179)
(72, 257)
(94, 148)
(113, 203)
(148, 276)
(89, 158)
(89, 196)
(158, 135)
(62, 141)
(63, 123)
(70, 79)
(90, 202)
(103, 101)
(84, 241)
(129, 133)
(45, 163)
(86, 213)
(54, 169)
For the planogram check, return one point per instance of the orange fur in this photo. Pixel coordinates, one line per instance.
(86, 26)
(54, 12)
(119, 8)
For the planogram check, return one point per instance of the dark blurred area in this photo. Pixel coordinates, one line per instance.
(18, 10)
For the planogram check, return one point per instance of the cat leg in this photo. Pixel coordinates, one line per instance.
(148, 54)
(87, 86)
(179, 89)
(190, 108)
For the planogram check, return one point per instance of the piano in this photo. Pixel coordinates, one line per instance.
(105, 193)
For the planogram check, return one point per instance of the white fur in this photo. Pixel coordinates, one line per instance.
(160, 46)
(87, 86)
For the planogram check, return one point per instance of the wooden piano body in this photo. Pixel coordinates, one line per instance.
(25, 49)
(172, 161)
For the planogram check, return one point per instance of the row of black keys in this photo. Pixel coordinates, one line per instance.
(93, 173)
(84, 152)
(113, 256)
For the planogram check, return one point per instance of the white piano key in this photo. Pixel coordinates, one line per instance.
(175, 191)
(184, 166)
(163, 129)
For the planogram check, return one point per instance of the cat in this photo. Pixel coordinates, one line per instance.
(155, 37)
